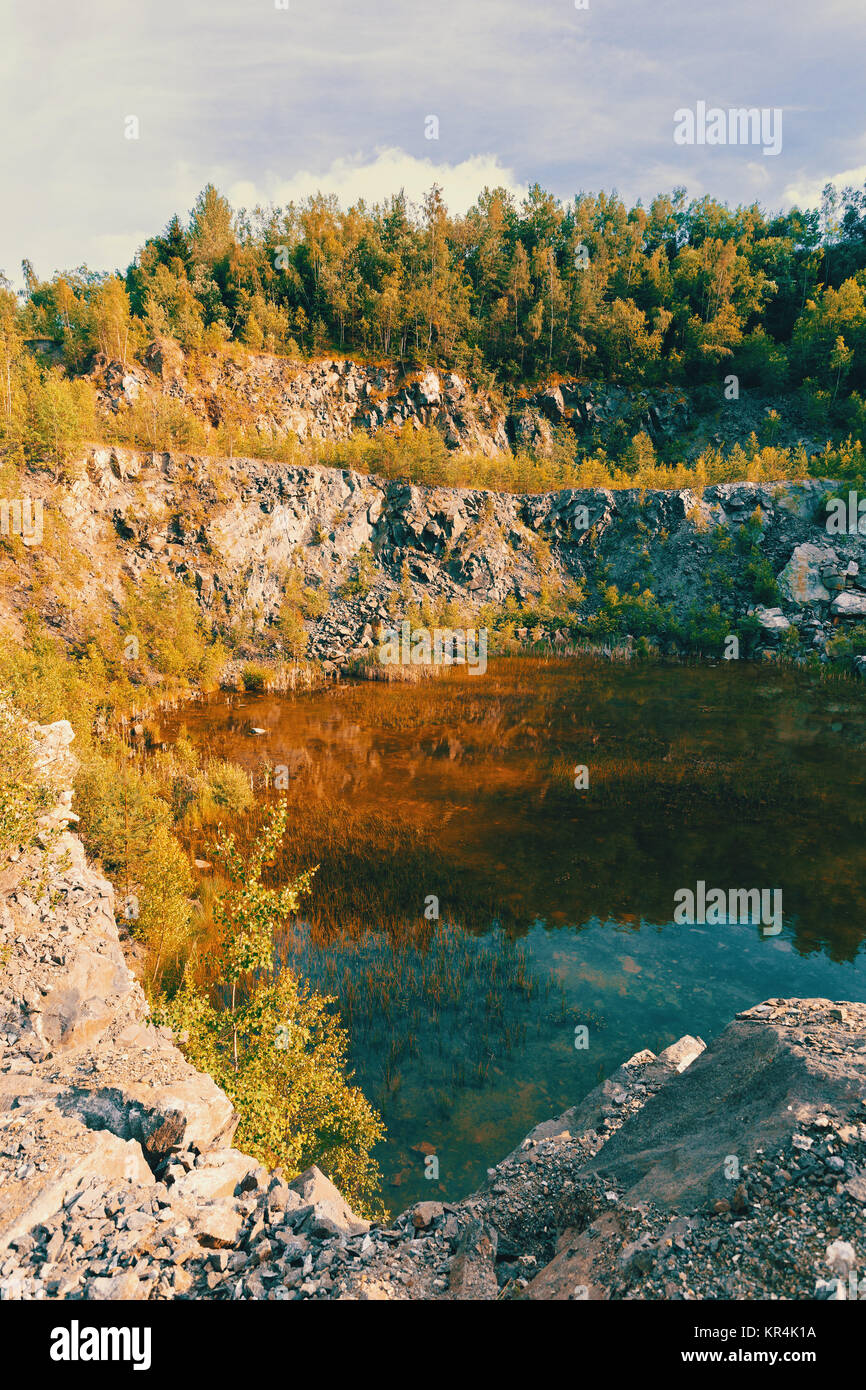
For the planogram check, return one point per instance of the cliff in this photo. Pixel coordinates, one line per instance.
(338, 398)
(237, 532)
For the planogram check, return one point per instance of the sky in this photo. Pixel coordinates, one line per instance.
(272, 104)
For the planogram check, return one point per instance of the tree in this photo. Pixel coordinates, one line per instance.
(840, 361)
(292, 630)
(112, 323)
(270, 1041)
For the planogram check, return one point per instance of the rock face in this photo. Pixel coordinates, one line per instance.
(231, 530)
(736, 1170)
(324, 399)
(89, 1089)
(336, 398)
(775, 1067)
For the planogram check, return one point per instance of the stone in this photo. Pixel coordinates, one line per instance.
(117, 1287)
(800, 581)
(841, 1258)
(224, 1173)
(425, 1213)
(472, 1274)
(189, 1113)
(772, 620)
(428, 389)
(849, 604)
(218, 1224)
(331, 1214)
(682, 1053)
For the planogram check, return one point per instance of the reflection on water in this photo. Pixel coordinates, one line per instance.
(463, 790)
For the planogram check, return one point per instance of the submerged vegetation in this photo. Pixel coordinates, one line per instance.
(430, 1008)
(280, 992)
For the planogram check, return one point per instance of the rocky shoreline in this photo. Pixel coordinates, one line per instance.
(734, 1171)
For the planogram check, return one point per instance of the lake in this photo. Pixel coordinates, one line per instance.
(556, 902)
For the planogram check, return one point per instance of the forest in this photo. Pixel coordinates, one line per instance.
(672, 292)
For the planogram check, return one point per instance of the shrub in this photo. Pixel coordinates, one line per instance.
(164, 922)
(120, 814)
(22, 796)
(168, 626)
(229, 786)
(273, 1043)
(761, 580)
(364, 575)
(254, 678)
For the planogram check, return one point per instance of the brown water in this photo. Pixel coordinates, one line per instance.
(556, 904)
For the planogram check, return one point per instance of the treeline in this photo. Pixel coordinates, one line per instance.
(676, 291)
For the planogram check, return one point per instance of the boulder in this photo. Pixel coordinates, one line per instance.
(800, 581)
(428, 389)
(330, 1214)
(80, 1006)
(224, 1173)
(771, 1069)
(849, 604)
(574, 1272)
(772, 620)
(425, 1213)
(217, 1225)
(189, 1113)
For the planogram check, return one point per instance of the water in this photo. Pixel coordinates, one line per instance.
(556, 904)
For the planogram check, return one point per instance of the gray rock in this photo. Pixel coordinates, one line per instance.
(849, 605)
(748, 1090)
(330, 1215)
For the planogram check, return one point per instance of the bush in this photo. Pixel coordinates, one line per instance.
(271, 1042)
(254, 678)
(364, 575)
(167, 624)
(229, 786)
(164, 921)
(120, 814)
(761, 580)
(844, 646)
(22, 796)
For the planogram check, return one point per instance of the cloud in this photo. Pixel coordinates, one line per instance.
(806, 193)
(270, 105)
(389, 171)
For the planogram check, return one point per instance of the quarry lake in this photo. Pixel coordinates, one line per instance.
(556, 902)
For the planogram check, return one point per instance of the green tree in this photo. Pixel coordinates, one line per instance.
(271, 1042)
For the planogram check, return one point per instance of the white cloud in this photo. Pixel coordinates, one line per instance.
(806, 193)
(387, 173)
(271, 105)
